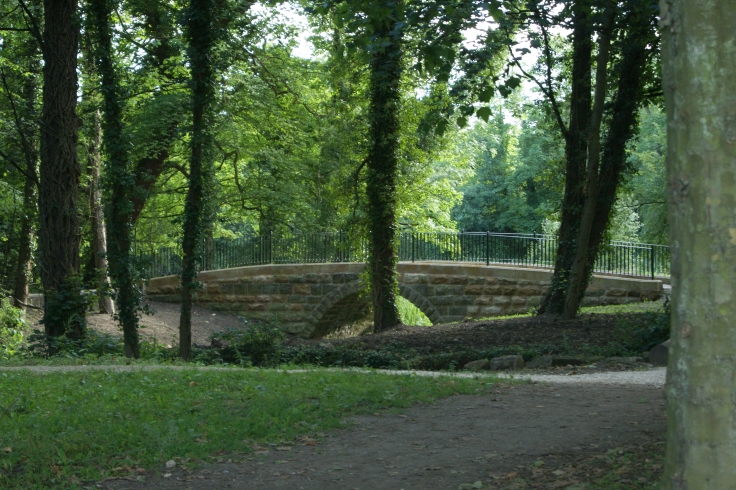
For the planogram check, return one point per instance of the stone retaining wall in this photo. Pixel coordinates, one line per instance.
(313, 299)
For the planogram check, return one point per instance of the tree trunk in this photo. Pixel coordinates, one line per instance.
(578, 269)
(699, 68)
(640, 21)
(201, 37)
(27, 128)
(99, 238)
(382, 164)
(23, 269)
(576, 156)
(118, 182)
(577, 252)
(59, 235)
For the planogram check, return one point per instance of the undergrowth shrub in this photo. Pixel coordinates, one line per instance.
(12, 327)
(94, 344)
(643, 331)
(259, 344)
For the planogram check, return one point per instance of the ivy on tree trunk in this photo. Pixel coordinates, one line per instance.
(119, 181)
(576, 156)
(383, 157)
(636, 51)
(590, 187)
(201, 35)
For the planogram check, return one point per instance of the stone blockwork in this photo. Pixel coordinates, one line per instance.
(313, 299)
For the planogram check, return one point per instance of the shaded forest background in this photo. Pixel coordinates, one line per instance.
(485, 123)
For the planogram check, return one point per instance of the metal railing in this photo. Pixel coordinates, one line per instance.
(528, 250)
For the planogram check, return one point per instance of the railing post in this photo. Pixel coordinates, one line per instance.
(412, 246)
(488, 248)
(270, 247)
(651, 259)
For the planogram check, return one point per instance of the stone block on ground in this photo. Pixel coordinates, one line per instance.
(659, 354)
(478, 365)
(506, 363)
(628, 361)
(540, 362)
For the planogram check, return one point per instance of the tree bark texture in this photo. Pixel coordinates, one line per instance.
(640, 21)
(590, 195)
(119, 183)
(382, 164)
(578, 269)
(201, 36)
(59, 234)
(576, 157)
(699, 76)
(105, 303)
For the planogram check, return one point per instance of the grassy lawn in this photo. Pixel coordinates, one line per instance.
(62, 429)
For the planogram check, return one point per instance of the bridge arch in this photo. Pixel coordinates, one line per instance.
(420, 302)
(344, 305)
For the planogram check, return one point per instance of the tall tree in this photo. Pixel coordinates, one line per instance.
(594, 171)
(96, 215)
(576, 153)
(699, 74)
(59, 236)
(22, 104)
(119, 180)
(202, 34)
(386, 19)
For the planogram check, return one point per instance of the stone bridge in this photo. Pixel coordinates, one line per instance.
(312, 300)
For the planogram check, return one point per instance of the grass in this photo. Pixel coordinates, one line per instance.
(61, 430)
(410, 314)
(638, 307)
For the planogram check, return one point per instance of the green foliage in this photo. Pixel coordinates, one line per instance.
(66, 428)
(515, 185)
(647, 189)
(258, 344)
(410, 314)
(67, 306)
(12, 327)
(641, 332)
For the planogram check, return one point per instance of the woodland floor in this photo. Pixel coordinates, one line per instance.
(592, 330)
(520, 436)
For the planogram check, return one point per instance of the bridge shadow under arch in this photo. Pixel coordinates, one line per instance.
(346, 305)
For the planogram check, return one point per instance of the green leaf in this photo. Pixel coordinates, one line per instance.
(513, 82)
(467, 110)
(442, 127)
(486, 94)
(462, 121)
(484, 113)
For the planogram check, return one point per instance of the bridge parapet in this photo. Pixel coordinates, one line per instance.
(312, 299)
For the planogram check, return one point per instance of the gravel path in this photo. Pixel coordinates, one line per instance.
(654, 378)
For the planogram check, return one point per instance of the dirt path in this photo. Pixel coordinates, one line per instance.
(525, 436)
(163, 325)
